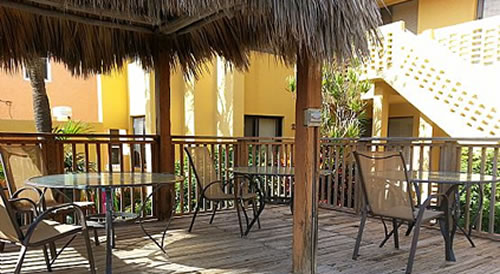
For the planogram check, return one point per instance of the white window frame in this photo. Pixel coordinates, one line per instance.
(49, 72)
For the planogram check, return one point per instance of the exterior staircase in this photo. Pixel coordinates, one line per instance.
(451, 75)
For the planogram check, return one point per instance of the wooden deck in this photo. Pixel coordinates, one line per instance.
(217, 248)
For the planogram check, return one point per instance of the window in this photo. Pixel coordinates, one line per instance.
(400, 127)
(263, 126)
(488, 8)
(115, 150)
(139, 128)
(406, 11)
(46, 71)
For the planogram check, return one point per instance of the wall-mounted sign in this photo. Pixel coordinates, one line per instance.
(312, 117)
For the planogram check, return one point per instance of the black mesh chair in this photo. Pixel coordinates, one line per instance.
(42, 231)
(211, 188)
(389, 195)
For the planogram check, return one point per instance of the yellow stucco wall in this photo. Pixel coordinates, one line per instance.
(442, 13)
(214, 103)
(205, 104)
(63, 89)
(115, 112)
(266, 91)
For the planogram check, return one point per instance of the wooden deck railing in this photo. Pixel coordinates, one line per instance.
(96, 153)
(340, 190)
(227, 153)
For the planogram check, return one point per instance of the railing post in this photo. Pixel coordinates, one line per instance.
(359, 201)
(53, 154)
(241, 157)
(449, 158)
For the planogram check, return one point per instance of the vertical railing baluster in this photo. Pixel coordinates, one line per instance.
(336, 176)
(99, 170)
(190, 187)
(470, 158)
(482, 168)
(491, 225)
(350, 177)
(181, 173)
(143, 190)
(87, 163)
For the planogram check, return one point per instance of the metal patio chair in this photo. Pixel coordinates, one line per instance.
(41, 232)
(389, 196)
(211, 188)
(21, 162)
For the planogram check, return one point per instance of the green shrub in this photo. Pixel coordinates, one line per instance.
(474, 198)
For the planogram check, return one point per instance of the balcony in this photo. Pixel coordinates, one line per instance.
(217, 248)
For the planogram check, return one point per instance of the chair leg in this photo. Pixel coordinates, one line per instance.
(90, 255)
(46, 257)
(410, 228)
(413, 248)
(395, 226)
(113, 237)
(52, 249)
(254, 207)
(242, 203)
(216, 205)
(96, 238)
(237, 207)
(2, 247)
(355, 254)
(198, 205)
(20, 259)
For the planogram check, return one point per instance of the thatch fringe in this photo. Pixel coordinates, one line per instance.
(191, 31)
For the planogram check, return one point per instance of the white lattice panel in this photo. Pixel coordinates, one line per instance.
(459, 97)
(477, 42)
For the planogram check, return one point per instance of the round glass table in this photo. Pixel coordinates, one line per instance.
(259, 173)
(108, 182)
(450, 183)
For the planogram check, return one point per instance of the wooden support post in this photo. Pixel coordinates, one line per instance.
(53, 155)
(306, 169)
(165, 149)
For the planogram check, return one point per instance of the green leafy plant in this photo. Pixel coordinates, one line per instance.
(2, 175)
(73, 128)
(487, 190)
(343, 110)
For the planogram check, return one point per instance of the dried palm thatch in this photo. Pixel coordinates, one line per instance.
(95, 36)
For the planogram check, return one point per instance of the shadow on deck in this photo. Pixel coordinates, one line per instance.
(217, 248)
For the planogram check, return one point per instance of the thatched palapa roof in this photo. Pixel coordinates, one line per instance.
(94, 36)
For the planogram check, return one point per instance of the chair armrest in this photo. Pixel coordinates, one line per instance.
(78, 211)
(230, 181)
(427, 203)
(28, 188)
(30, 202)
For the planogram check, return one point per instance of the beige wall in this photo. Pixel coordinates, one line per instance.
(441, 13)
(63, 90)
(115, 111)
(266, 91)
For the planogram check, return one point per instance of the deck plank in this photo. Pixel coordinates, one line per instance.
(217, 248)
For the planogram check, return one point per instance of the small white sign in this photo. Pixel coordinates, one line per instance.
(312, 117)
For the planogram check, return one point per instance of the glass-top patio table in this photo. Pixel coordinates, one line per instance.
(259, 171)
(450, 182)
(256, 173)
(108, 182)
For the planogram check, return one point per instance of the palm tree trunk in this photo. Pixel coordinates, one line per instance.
(41, 105)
